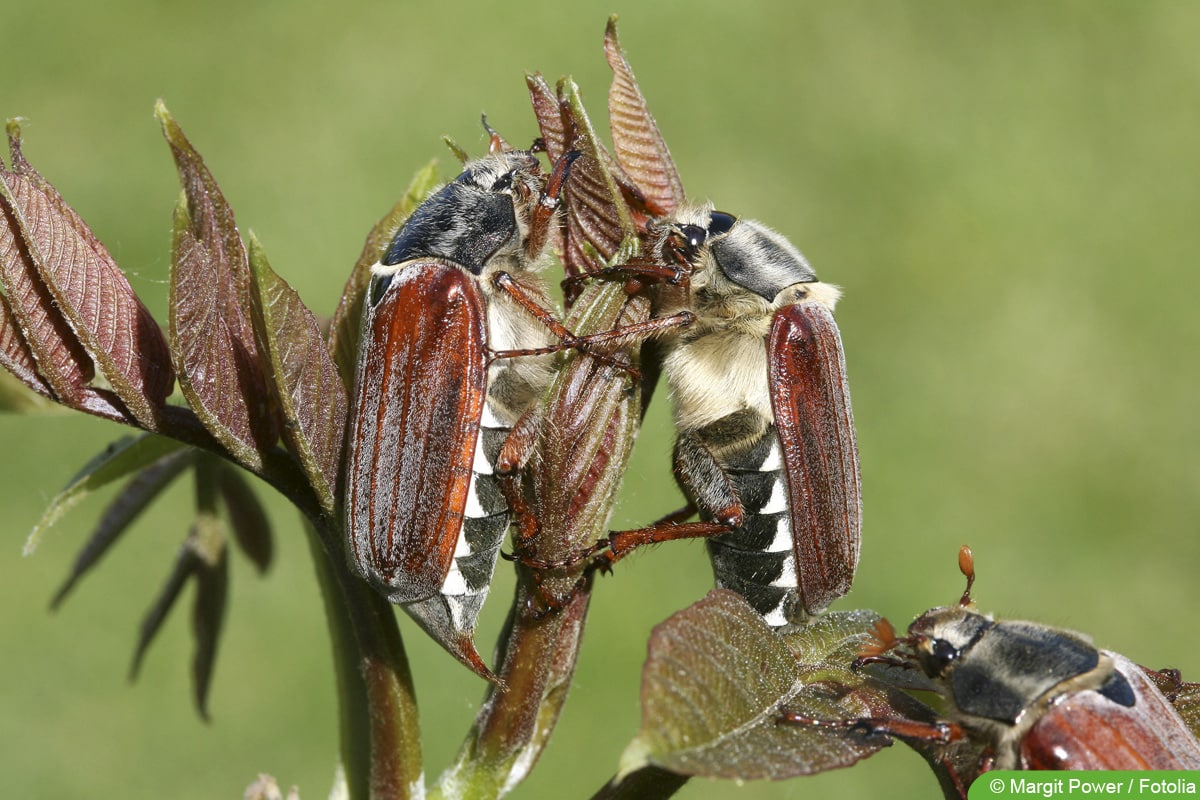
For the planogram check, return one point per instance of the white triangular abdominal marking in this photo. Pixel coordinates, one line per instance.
(480, 463)
(782, 543)
(489, 418)
(454, 582)
(474, 509)
(787, 575)
(462, 547)
(777, 502)
(775, 617)
(774, 460)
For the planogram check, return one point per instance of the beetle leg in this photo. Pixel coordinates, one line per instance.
(514, 454)
(705, 481)
(643, 269)
(543, 212)
(942, 732)
(505, 282)
(678, 517)
(708, 489)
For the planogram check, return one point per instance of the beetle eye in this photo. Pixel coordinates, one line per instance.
(688, 239)
(942, 653)
(503, 182)
(720, 223)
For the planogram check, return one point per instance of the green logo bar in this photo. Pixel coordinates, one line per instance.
(1085, 783)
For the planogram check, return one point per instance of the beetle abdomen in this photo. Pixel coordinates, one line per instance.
(757, 560)
(485, 521)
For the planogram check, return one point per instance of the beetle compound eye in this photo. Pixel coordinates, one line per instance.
(692, 238)
(503, 183)
(941, 654)
(720, 223)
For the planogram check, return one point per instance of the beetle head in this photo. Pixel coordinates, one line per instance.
(479, 215)
(941, 636)
(938, 638)
(728, 254)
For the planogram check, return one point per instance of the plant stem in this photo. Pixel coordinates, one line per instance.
(379, 726)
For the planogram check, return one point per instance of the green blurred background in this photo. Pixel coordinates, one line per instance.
(1007, 193)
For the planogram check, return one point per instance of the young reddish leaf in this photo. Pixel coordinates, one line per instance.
(119, 459)
(717, 679)
(247, 517)
(90, 290)
(212, 341)
(219, 374)
(211, 215)
(548, 111)
(15, 355)
(36, 336)
(305, 383)
(344, 329)
(638, 145)
(598, 219)
(138, 493)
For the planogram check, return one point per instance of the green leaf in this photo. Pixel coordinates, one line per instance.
(247, 517)
(344, 329)
(118, 460)
(203, 557)
(133, 498)
(717, 679)
(208, 608)
(304, 382)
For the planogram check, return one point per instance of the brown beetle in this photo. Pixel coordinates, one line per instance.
(765, 450)
(454, 297)
(1030, 696)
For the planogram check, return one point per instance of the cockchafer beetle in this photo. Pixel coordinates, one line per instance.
(766, 447)
(1029, 696)
(766, 441)
(453, 302)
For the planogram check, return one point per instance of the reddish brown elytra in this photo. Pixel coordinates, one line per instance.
(451, 306)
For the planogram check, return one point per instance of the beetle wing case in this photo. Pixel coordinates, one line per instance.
(419, 395)
(1131, 727)
(811, 403)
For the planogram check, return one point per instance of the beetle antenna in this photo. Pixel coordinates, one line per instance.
(497, 143)
(966, 565)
